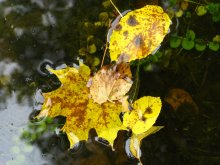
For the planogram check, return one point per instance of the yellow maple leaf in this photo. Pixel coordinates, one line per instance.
(72, 100)
(138, 33)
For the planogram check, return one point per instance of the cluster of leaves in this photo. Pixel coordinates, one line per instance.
(109, 86)
(63, 40)
(211, 8)
(190, 41)
(83, 113)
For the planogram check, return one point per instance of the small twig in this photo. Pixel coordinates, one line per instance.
(116, 8)
(106, 47)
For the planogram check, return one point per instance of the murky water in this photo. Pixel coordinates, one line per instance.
(35, 34)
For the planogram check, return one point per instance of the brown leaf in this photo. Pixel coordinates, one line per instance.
(177, 97)
(111, 83)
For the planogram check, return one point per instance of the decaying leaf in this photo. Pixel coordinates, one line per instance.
(82, 113)
(138, 33)
(110, 83)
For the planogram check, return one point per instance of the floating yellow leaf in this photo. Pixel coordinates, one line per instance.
(82, 113)
(144, 114)
(110, 83)
(138, 33)
(140, 120)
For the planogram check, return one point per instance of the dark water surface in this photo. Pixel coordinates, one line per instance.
(37, 33)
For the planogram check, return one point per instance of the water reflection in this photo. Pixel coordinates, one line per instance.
(8, 68)
(37, 33)
(32, 31)
(14, 119)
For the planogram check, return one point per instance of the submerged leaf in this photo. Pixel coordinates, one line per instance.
(201, 10)
(92, 49)
(175, 42)
(179, 97)
(214, 46)
(138, 33)
(187, 44)
(200, 45)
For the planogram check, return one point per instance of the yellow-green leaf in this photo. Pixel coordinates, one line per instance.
(92, 49)
(138, 33)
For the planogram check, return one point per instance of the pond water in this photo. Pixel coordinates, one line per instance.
(184, 72)
(14, 119)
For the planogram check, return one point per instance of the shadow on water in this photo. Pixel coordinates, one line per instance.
(37, 33)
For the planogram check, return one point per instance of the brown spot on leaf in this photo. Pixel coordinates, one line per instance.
(124, 70)
(125, 33)
(138, 41)
(118, 27)
(132, 21)
(148, 110)
(124, 57)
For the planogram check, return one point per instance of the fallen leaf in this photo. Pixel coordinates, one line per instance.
(82, 113)
(110, 83)
(138, 33)
(141, 120)
(178, 97)
(72, 100)
(144, 114)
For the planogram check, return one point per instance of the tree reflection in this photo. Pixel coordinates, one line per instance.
(55, 146)
(32, 31)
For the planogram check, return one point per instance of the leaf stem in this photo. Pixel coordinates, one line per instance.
(116, 8)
